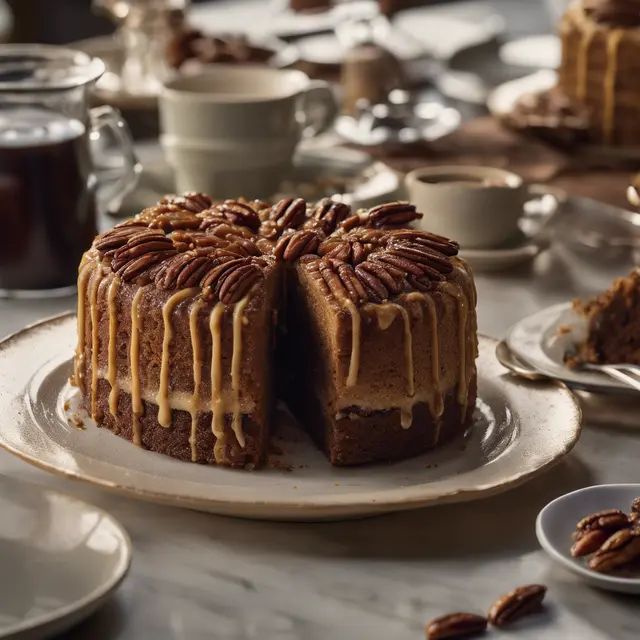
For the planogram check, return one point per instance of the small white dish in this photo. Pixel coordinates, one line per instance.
(541, 341)
(557, 521)
(61, 559)
(520, 430)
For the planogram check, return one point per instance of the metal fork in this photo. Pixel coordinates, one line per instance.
(629, 374)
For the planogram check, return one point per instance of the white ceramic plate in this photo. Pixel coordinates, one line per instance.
(61, 558)
(557, 521)
(542, 339)
(503, 98)
(520, 430)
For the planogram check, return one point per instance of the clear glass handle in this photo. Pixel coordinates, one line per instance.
(116, 167)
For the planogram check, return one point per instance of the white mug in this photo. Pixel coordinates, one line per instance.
(479, 207)
(232, 130)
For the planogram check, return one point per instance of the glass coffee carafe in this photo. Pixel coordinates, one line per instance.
(59, 159)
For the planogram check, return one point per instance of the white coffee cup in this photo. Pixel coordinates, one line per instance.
(232, 130)
(479, 207)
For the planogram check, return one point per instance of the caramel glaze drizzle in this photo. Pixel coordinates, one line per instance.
(582, 63)
(236, 361)
(78, 363)
(611, 72)
(136, 399)
(197, 374)
(112, 372)
(93, 310)
(162, 399)
(354, 364)
(437, 401)
(217, 410)
(461, 300)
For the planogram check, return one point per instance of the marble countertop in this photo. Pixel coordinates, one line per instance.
(201, 576)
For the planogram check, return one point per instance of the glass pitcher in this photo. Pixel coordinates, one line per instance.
(51, 149)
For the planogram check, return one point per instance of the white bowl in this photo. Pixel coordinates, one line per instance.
(557, 521)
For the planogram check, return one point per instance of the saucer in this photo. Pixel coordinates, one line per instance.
(61, 559)
(557, 521)
(522, 249)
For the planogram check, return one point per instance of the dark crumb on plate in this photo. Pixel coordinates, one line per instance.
(279, 465)
(66, 405)
(77, 421)
(564, 329)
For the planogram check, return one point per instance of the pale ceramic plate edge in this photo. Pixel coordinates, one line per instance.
(65, 617)
(318, 510)
(550, 367)
(603, 581)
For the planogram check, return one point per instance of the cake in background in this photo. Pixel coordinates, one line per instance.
(600, 67)
(613, 325)
(180, 309)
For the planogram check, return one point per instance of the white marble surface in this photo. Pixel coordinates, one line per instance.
(201, 576)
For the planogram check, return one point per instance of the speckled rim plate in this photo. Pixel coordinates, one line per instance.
(541, 340)
(520, 430)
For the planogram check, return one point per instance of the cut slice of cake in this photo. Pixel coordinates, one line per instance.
(379, 360)
(613, 325)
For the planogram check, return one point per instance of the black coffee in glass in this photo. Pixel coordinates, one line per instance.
(47, 202)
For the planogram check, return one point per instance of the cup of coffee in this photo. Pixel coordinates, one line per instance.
(49, 178)
(480, 207)
(232, 130)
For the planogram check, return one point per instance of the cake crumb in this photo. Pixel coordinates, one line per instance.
(77, 421)
(66, 405)
(564, 329)
(336, 484)
(294, 486)
(279, 465)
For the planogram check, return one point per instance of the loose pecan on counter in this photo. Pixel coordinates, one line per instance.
(517, 603)
(456, 625)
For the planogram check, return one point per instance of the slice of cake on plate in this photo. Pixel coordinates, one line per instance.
(613, 325)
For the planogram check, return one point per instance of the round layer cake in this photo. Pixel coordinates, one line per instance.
(193, 317)
(601, 65)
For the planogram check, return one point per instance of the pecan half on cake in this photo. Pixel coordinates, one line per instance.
(373, 324)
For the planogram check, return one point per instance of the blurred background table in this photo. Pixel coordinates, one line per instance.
(200, 576)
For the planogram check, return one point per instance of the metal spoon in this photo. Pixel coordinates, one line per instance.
(509, 361)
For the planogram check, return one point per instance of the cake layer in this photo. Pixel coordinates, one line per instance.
(187, 440)
(358, 436)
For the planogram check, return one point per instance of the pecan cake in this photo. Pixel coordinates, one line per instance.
(601, 64)
(613, 322)
(193, 317)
